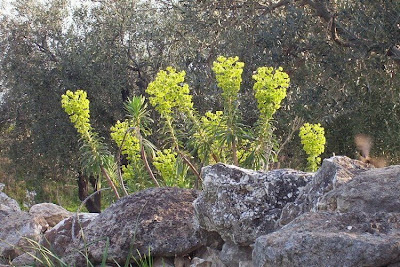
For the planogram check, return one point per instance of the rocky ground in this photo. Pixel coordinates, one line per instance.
(345, 214)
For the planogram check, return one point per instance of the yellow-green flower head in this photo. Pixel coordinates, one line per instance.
(228, 73)
(131, 146)
(313, 141)
(168, 92)
(76, 105)
(270, 89)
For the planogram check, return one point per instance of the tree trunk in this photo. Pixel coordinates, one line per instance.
(93, 204)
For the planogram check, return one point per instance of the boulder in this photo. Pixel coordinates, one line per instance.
(7, 203)
(241, 204)
(18, 230)
(50, 212)
(207, 257)
(372, 191)
(24, 260)
(332, 239)
(159, 219)
(333, 173)
(234, 256)
(67, 233)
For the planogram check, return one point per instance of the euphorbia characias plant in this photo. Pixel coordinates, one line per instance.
(313, 140)
(95, 157)
(168, 95)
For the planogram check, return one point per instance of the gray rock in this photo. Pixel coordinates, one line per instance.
(372, 191)
(162, 262)
(207, 257)
(8, 204)
(242, 205)
(157, 218)
(235, 256)
(332, 239)
(23, 260)
(197, 262)
(52, 213)
(181, 262)
(17, 230)
(333, 173)
(67, 234)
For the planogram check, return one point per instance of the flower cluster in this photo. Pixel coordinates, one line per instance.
(313, 141)
(270, 89)
(228, 73)
(76, 105)
(168, 92)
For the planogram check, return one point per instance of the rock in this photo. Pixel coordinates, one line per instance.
(242, 205)
(246, 264)
(157, 218)
(234, 256)
(23, 260)
(333, 173)
(67, 233)
(197, 262)
(181, 262)
(332, 239)
(207, 257)
(162, 262)
(372, 191)
(52, 213)
(16, 231)
(8, 204)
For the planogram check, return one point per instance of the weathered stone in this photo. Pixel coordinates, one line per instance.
(333, 173)
(233, 256)
(181, 262)
(52, 213)
(67, 233)
(246, 264)
(162, 262)
(242, 204)
(207, 257)
(197, 262)
(8, 204)
(24, 260)
(376, 190)
(157, 218)
(332, 239)
(16, 231)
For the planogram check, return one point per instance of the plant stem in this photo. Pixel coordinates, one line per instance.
(110, 182)
(234, 152)
(146, 163)
(119, 161)
(176, 145)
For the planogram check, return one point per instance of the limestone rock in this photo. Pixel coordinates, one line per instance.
(17, 228)
(52, 213)
(7, 203)
(162, 262)
(376, 190)
(332, 239)
(235, 256)
(333, 173)
(157, 218)
(67, 233)
(207, 257)
(24, 260)
(242, 205)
